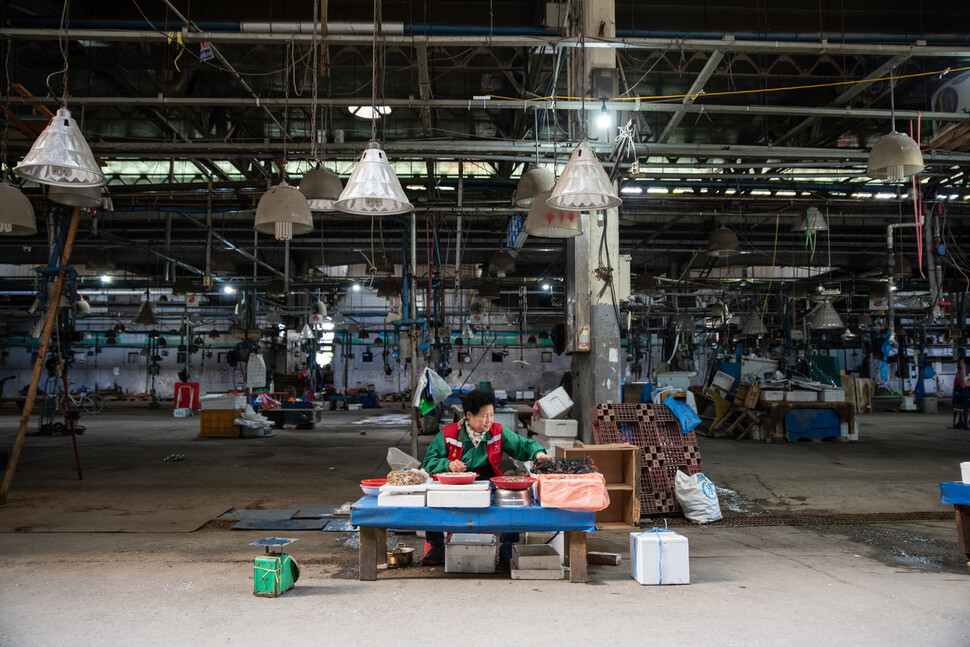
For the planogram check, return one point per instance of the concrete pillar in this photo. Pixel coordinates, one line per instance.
(596, 371)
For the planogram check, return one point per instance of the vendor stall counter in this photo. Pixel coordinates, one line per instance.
(374, 521)
(958, 494)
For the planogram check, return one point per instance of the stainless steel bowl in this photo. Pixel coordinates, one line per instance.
(512, 498)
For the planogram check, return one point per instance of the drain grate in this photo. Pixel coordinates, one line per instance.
(818, 519)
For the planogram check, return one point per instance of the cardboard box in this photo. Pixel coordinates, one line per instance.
(470, 553)
(555, 405)
(801, 396)
(556, 428)
(659, 557)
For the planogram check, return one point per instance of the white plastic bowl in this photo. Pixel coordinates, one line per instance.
(371, 490)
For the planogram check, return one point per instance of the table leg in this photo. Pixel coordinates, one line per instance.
(576, 542)
(963, 529)
(372, 551)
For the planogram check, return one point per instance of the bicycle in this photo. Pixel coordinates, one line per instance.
(82, 400)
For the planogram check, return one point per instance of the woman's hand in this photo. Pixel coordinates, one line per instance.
(456, 466)
(542, 455)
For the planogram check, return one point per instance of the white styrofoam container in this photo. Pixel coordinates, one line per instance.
(801, 396)
(831, 395)
(473, 495)
(549, 444)
(556, 428)
(501, 395)
(556, 404)
(222, 402)
(772, 396)
(535, 557)
(528, 395)
(909, 403)
(465, 556)
(848, 436)
(555, 539)
(659, 557)
(722, 381)
(394, 499)
(681, 380)
(965, 472)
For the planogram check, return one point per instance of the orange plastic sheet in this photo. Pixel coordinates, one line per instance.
(576, 492)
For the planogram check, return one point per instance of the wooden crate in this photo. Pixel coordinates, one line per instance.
(620, 466)
(218, 424)
(747, 396)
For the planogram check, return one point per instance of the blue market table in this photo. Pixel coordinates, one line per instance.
(374, 521)
(959, 495)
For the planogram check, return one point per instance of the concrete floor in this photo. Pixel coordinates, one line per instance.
(866, 583)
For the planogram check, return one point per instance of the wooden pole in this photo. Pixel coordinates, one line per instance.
(45, 337)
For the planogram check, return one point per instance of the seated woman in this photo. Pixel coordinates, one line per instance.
(475, 444)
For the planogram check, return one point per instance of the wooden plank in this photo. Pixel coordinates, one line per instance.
(963, 528)
(576, 540)
(367, 554)
(45, 338)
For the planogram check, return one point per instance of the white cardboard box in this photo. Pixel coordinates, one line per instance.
(659, 557)
(831, 395)
(802, 396)
(414, 500)
(555, 405)
(473, 495)
(470, 553)
(556, 428)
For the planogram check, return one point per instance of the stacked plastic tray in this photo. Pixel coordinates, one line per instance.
(664, 450)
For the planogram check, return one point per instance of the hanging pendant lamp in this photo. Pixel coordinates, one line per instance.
(16, 213)
(321, 187)
(545, 222)
(75, 196)
(901, 267)
(373, 188)
(865, 321)
(894, 158)
(584, 184)
(283, 211)
(61, 156)
(722, 243)
(812, 220)
(146, 313)
(753, 326)
(82, 307)
(221, 262)
(533, 183)
(501, 263)
(826, 318)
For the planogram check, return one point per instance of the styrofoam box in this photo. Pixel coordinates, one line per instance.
(848, 436)
(415, 500)
(722, 381)
(528, 395)
(554, 539)
(965, 472)
(469, 553)
(501, 395)
(222, 402)
(556, 404)
(535, 557)
(831, 395)
(473, 495)
(549, 444)
(801, 396)
(556, 428)
(772, 396)
(659, 557)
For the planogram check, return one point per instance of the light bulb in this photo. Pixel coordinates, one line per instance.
(105, 278)
(546, 286)
(228, 289)
(356, 287)
(603, 119)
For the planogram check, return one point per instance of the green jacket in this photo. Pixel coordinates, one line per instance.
(476, 458)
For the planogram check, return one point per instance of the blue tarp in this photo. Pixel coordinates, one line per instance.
(365, 512)
(955, 492)
(684, 414)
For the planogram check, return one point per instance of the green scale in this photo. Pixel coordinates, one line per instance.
(275, 572)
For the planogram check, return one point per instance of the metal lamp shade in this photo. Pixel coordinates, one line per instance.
(275, 288)
(826, 318)
(321, 187)
(583, 185)
(146, 315)
(501, 263)
(183, 286)
(686, 323)
(388, 288)
(373, 188)
(319, 308)
(75, 196)
(221, 262)
(82, 307)
(533, 183)
(61, 156)
(284, 212)
(718, 310)
(812, 220)
(545, 222)
(895, 158)
(753, 326)
(382, 264)
(489, 290)
(16, 213)
(722, 243)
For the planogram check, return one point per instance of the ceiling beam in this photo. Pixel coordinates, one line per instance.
(696, 88)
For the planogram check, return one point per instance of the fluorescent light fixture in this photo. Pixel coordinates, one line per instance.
(415, 187)
(683, 190)
(369, 112)
(760, 192)
(785, 193)
(885, 196)
(730, 192)
(657, 189)
(631, 189)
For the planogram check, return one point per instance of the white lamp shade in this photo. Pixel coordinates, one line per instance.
(16, 213)
(284, 212)
(501, 263)
(722, 243)
(321, 187)
(61, 156)
(75, 196)
(373, 188)
(812, 220)
(584, 184)
(895, 158)
(534, 182)
(826, 318)
(82, 307)
(753, 326)
(545, 222)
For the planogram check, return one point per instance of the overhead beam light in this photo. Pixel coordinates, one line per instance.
(603, 119)
(631, 189)
(369, 112)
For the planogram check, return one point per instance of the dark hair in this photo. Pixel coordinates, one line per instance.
(474, 401)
